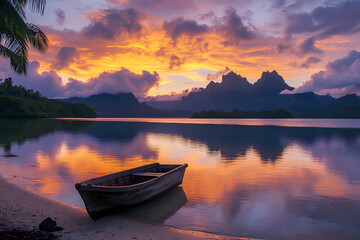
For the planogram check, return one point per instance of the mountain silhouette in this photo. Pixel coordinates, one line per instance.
(271, 83)
(233, 92)
(123, 105)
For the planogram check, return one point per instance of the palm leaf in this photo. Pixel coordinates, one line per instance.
(16, 34)
(18, 63)
(37, 38)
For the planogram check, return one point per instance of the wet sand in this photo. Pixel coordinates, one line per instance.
(24, 210)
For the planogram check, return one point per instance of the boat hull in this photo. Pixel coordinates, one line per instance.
(100, 201)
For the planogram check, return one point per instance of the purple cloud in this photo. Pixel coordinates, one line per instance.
(115, 23)
(175, 62)
(310, 61)
(64, 57)
(60, 16)
(233, 28)
(178, 27)
(341, 75)
(47, 83)
(51, 85)
(308, 47)
(160, 7)
(340, 19)
(114, 82)
(282, 47)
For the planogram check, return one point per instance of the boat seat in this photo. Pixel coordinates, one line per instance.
(147, 174)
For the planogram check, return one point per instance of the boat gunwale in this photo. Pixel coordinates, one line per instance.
(82, 186)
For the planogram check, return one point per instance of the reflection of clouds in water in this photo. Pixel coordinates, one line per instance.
(256, 199)
(341, 155)
(308, 189)
(50, 145)
(62, 159)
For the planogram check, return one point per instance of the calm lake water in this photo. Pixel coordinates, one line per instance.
(270, 182)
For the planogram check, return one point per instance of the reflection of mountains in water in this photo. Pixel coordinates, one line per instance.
(21, 130)
(230, 140)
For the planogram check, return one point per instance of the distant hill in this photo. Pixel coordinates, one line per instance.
(17, 101)
(170, 104)
(347, 106)
(124, 105)
(297, 102)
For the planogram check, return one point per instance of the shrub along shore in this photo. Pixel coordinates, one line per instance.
(17, 101)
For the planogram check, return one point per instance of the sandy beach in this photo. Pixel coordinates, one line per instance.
(24, 210)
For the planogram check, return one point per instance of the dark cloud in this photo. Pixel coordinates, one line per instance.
(281, 47)
(178, 27)
(65, 56)
(60, 16)
(160, 52)
(200, 44)
(211, 77)
(278, 4)
(310, 61)
(175, 62)
(233, 28)
(50, 83)
(340, 19)
(339, 75)
(308, 47)
(116, 22)
(208, 16)
(161, 7)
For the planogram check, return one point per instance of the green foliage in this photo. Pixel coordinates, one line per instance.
(17, 101)
(7, 89)
(16, 35)
(278, 113)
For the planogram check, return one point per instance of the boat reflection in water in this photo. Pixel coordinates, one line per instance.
(158, 209)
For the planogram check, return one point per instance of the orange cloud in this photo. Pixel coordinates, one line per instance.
(148, 44)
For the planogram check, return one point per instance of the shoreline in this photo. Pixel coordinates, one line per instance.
(293, 122)
(24, 210)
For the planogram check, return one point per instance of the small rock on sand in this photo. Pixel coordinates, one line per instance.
(49, 225)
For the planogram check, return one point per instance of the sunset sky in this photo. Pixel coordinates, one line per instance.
(161, 46)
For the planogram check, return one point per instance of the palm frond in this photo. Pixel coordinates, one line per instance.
(37, 38)
(37, 5)
(18, 63)
(34, 5)
(16, 35)
(19, 6)
(10, 18)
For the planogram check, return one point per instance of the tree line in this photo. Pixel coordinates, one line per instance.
(8, 89)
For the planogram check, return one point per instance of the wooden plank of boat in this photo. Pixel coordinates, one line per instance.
(129, 187)
(147, 174)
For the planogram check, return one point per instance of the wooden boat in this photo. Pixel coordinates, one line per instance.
(129, 187)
